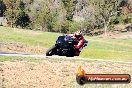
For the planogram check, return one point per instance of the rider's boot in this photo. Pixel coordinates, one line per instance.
(77, 53)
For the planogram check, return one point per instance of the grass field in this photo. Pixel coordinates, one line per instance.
(99, 48)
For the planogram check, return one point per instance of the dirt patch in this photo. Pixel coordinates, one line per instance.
(18, 47)
(55, 73)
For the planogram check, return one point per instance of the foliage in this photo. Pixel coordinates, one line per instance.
(46, 17)
(22, 6)
(124, 19)
(69, 5)
(11, 10)
(69, 26)
(105, 10)
(2, 8)
(22, 19)
(58, 15)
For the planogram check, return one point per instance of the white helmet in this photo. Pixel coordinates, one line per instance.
(78, 34)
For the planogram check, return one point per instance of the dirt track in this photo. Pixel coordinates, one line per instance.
(19, 47)
(54, 73)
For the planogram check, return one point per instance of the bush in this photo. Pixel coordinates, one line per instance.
(122, 19)
(69, 26)
(22, 20)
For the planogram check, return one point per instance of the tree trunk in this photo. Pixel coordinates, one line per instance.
(105, 30)
(105, 27)
(43, 27)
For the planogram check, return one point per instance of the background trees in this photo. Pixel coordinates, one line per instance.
(2, 8)
(11, 10)
(104, 11)
(60, 15)
(44, 16)
(22, 19)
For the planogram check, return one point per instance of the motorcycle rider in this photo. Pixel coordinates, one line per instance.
(80, 41)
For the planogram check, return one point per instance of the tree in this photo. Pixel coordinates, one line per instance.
(46, 16)
(104, 11)
(130, 3)
(42, 14)
(11, 10)
(69, 5)
(2, 8)
(21, 6)
(22, 19)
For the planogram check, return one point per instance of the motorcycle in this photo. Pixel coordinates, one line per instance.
(65, 47)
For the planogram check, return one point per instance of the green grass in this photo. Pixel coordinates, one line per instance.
(99, 48)
(29, 37)
(106, 48)
(15, 58)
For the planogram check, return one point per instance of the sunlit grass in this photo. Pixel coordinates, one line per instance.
(100, 48)
(44, 39)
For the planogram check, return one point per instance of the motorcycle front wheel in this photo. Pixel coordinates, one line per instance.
(51, 51)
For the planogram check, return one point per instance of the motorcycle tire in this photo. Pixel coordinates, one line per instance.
(50, 51)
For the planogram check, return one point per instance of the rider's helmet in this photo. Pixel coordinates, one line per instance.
(78, 34)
